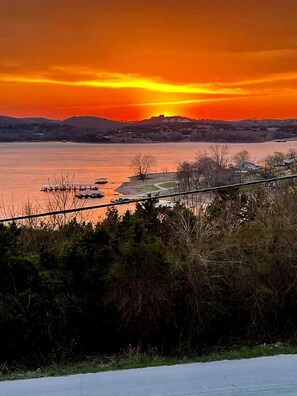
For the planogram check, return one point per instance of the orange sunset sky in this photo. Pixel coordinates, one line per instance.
(131, 59)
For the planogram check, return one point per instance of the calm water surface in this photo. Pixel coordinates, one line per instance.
(25, 167)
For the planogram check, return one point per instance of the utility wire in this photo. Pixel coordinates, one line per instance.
(176, 194)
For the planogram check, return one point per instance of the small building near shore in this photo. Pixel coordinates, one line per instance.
(251, 166)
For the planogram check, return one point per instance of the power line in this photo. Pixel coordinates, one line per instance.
(136, 200)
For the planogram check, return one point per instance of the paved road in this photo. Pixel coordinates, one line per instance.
(261, 376)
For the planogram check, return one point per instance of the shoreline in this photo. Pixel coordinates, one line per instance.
(146, 142)
(154, 183)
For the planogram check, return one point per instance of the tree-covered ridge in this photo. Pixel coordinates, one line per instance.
(166, 279)
(160, 129)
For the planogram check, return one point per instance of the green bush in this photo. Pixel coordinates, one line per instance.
(154, 278)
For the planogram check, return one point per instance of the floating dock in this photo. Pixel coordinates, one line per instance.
(89, 194)
(70, 187)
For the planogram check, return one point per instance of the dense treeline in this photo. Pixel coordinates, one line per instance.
(49, 132)
(171, 132)
(154, 278)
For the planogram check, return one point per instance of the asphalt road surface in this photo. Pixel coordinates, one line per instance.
(260, 376)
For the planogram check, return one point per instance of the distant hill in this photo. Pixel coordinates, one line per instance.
(93, 129)
(94, 122)
(25, 120)
(107, 124)
(79, 122)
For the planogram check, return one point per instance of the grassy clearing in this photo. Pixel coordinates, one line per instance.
(134, 360)
(168, 184)
(135, 186)
(147, 188)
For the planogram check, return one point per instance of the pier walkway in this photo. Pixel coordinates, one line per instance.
(70, 187)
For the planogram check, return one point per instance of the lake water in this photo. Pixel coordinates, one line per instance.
(25, 167)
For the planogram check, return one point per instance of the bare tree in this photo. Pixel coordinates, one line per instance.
(241, 158)
(213, 168)
(188, 175)
(219, 154)
(64, 199)
(292, 154)
(142, 165)
(185, 175)
(275, 159)
(206, 167)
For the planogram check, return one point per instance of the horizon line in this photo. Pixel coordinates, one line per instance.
(153, 116)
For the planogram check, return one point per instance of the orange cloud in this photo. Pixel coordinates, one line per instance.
(122, 81)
